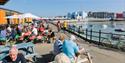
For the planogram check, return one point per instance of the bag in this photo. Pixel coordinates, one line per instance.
(61, 58)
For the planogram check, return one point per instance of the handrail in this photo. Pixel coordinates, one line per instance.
(89, 35)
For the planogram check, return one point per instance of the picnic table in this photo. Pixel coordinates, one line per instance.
(28, 48)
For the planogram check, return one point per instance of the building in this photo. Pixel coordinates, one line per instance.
(119, 16)
(124, 14)
(81, 14)
(7, 12)
(101, 14)
(72, 15)
(69, 15)
(77, 15)
(2, 2)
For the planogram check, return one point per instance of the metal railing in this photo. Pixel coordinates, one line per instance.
(102, 38)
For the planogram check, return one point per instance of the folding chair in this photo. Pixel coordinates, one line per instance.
(85, 59)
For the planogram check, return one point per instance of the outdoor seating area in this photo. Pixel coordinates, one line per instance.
(24, 37)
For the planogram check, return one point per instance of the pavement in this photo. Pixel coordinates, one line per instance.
(99, 54)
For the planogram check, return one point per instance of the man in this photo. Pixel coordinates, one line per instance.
(65, 24)
(3, 35)
(59, 26)
(71, 49)
(35, 31)
(58, 44)
(9, 29)
(14, 56)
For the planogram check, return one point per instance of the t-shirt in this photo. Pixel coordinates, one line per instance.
(3, 34)
(65, 24)
(41, 29)
(20, 59)
(9, 29)
(70, 48)
(35, 32)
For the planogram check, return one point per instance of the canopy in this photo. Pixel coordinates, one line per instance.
(29, 15)
(26, 15)
(14, 16)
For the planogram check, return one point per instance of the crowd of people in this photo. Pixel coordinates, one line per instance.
(23, 33)
(36, 32)
(41, 32)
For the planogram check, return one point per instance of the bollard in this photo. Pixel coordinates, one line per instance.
(99, 37)
(86, 33)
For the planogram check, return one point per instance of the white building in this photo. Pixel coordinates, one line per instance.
(81, 15)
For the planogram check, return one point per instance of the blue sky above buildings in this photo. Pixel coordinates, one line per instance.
(62, 7)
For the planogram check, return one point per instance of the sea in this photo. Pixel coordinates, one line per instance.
(112, 32)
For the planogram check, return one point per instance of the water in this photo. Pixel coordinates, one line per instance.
(106, 27)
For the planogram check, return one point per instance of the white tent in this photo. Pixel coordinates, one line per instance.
(29, 15)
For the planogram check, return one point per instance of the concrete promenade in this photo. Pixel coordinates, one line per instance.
(99, 54)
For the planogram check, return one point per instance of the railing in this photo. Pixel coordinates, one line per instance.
(102, 38)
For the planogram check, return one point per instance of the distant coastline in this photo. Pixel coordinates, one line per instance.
(88, 20)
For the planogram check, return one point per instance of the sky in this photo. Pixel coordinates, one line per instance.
(62, 7)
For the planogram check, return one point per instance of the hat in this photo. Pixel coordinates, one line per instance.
(72, 37)
(62, 37)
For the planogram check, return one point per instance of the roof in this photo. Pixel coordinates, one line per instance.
(2, 2)
(10, 10)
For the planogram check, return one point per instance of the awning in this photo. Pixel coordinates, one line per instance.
(2, 2)
(29, 15)
(14, 16)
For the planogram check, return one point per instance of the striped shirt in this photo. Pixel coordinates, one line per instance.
(58, 47)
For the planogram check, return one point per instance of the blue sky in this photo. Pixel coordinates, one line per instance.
(62, 7)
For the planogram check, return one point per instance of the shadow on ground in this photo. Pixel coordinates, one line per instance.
(45, 58)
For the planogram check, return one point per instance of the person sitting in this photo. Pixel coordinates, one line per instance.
(58, 45)
(9, 30)
(41, 29)
(51, 36)
(38, 38)
(34, 31)
(71, 49)
(3, 35)
(14, 56)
